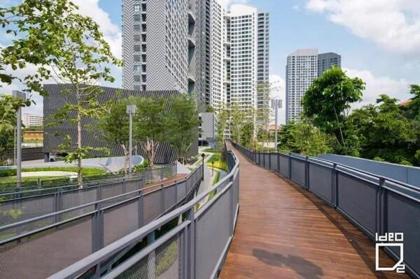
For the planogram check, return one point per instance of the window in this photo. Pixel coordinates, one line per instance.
(137, 8)
(137, 78)
(137, 38)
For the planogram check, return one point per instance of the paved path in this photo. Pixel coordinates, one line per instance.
(286, 232)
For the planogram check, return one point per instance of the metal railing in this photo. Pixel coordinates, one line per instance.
(41, 246)
(32, 203)
(188, 242)
(373, 203)
(148, 175)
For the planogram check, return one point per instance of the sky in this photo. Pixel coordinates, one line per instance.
(379, 40)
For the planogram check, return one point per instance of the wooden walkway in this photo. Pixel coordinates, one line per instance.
(286, 232)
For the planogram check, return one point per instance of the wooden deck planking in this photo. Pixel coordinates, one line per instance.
(284, 231)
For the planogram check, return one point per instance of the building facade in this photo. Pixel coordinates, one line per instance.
(159, 45)
(195, 46)
(31, 120)
(303, 67)
(246, 57)
(327, 61)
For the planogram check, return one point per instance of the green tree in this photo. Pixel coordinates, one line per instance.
(182, 124)
(384, 132)
(115, 125)
(222, 124)
(328, 100)
(237, 118)
(304, 138)
(151, 125)
(247, 134)
(8, 108)
(70, 48)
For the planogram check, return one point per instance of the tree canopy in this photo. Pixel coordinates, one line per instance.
(328, 100)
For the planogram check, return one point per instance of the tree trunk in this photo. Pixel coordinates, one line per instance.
(126, 158)
(79, 146)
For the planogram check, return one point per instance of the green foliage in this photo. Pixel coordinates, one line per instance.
(222, 124)
(141, 167)
(54, 36)
(217, 161)
(68, 47)
(172, 120)
(304, 138)
(385, 132)
(8, 108)
(329, 98)
(247, 134)
(182, 124)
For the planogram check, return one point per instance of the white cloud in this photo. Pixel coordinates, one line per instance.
(376, 85)
(392, 24)
(228, 3)
(111, 31)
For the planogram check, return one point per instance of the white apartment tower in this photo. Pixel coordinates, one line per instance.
(246, 55)
(303, 67)
(301, 71)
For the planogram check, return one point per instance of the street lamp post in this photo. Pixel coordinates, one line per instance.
(202, 167)
(131, 110)
(276, 104)
(20, 95)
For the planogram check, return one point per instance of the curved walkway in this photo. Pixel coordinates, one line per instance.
(286, 232)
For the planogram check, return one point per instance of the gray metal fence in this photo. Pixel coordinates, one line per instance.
(148, 175)
(41, 246)
(375, 204)
(26, 204)
(193, 247)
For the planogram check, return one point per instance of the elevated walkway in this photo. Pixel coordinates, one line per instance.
(284, 231)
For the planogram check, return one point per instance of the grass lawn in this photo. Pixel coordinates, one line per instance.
(8, 177)
(216, 162)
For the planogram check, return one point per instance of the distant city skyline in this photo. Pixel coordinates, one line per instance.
(385, 52)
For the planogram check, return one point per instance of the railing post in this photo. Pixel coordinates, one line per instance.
(334, 186)
(123, 187)
(307, 173)
(380, 207)
(191, 245)
(151, 265)
(58, 205)
(99, 193)
(97, 229)
(162, 198)
(140, 206)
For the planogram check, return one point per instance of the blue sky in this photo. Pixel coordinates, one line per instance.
(379, 40)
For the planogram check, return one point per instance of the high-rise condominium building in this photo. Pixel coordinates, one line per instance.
(303, 67)
(195, 46)
(159, 46)
(327, 61)
(246, 57)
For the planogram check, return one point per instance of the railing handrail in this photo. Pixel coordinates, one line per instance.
(340, 165)
(140, 192)
(124, 242)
